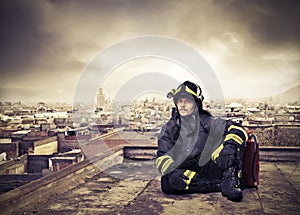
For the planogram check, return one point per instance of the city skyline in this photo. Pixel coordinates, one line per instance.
(253, 47)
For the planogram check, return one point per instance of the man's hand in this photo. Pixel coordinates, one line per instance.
(226, 157)
(178, 180)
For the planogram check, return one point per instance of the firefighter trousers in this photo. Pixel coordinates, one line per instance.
(207, 179)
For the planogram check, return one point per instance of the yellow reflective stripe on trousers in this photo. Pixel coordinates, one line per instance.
(234, 137)
(238, 128)
(190, 174)
(216, 153)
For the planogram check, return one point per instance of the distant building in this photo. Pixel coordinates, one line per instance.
(10, 148)
(39, 145)
(14, 166)
(58, 163)
(45, 146)
(234, 107)
(100, 98)
(284, 117)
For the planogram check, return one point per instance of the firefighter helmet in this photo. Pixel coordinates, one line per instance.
(187, 89)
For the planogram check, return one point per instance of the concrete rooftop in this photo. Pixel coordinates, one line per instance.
(133, 187)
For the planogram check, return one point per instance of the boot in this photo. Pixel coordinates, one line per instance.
(210, 186)
(206, 186)
(230, 185)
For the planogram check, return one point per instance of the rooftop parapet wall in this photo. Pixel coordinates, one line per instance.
(278, 135)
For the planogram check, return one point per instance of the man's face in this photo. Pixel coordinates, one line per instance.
(185, 106)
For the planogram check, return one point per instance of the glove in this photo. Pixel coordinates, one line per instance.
(177, 179)
(226, 157)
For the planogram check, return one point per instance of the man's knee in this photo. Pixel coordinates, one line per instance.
(166, 187)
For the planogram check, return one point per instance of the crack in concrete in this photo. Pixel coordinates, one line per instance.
(134, 199)
(260, 201)
(290, 183)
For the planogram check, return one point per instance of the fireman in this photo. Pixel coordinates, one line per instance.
(198, 153)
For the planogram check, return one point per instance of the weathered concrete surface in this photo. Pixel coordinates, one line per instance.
(43, 189)
(279, 190)
(134, 188)
(109, 192)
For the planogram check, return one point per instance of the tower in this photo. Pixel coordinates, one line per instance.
(100, 98)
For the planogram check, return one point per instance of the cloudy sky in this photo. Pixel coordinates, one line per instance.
(252, 46)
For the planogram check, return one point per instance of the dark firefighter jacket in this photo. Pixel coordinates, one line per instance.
(193, 148)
